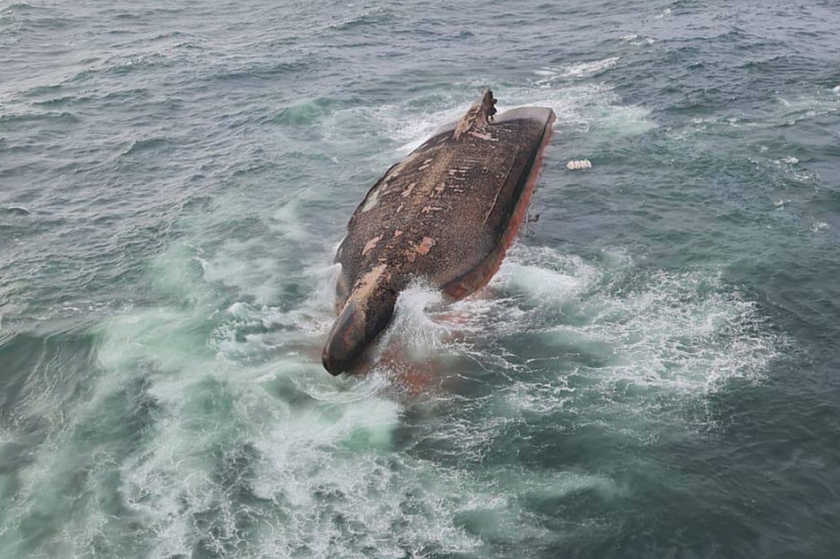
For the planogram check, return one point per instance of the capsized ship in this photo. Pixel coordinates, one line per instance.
(446, 215)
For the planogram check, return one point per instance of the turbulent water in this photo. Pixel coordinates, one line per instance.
(652, 373)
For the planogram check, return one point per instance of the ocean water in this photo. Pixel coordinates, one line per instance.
(654, 372)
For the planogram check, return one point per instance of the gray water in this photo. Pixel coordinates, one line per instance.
(652, 373)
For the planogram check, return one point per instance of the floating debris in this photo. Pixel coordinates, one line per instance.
(579, 164)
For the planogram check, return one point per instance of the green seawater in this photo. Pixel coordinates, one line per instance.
(652, 373)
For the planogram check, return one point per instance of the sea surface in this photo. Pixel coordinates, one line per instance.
(653, 373)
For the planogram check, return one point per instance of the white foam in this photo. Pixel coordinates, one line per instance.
(566, 278)
(412, 128)
(664, 13)
(678, 336)
(413, 327)
(668, 336)
(789, 111)
(589, 69)
(591, 108)
(588, 107)
(247, 266)
(636, 41)
(286, 221)
(324, 460)
(805, 107)
(791, 168)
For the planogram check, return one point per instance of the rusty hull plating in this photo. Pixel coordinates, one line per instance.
(446, 214)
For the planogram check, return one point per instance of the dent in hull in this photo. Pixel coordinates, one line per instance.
(446, 214)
